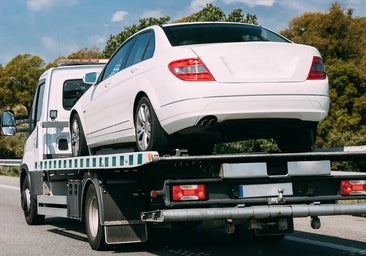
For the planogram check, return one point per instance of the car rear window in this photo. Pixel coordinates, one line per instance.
(218, 33)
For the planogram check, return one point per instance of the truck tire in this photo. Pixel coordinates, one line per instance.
(29, 205)
(78, 142)
(149, 133)
(94, 229)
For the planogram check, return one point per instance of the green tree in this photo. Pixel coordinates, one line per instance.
(335, 33)
(213, 13)
(19, 79)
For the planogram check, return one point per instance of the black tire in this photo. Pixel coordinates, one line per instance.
(29, 205)
(150, 136)
(78, 141)
(94, 230)
(298, 140)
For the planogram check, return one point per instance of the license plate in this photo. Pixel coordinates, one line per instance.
(265, 190)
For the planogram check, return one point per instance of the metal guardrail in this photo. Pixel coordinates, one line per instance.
(10, 162)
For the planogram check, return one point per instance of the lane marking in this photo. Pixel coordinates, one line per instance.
(352, 250)
(9, 187)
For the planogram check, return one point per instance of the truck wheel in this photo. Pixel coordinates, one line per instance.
(29, 205)
(78, 142)
(94, 229)
(149, 133)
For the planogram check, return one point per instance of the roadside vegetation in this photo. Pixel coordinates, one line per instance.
(339, 36)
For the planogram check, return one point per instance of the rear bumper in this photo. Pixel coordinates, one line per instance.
(253, 212)
(186, 113)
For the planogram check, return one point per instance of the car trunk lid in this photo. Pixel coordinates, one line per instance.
(257, 62)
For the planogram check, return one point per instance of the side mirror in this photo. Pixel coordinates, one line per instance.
(8, 124)
(90, 78)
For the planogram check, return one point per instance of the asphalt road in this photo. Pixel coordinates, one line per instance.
(339, 235)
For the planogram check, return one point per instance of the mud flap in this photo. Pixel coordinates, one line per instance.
(122, 222)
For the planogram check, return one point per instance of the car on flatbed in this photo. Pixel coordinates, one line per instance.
(193, 85)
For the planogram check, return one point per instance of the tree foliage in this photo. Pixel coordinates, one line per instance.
(18, 80)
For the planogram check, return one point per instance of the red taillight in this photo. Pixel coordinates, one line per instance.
(188, 192)
(353, 187)
(191, 69)
(317, 70)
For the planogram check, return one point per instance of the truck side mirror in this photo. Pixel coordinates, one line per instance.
(90, 78)
(8, 124)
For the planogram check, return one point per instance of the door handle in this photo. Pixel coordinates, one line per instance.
(133, 70)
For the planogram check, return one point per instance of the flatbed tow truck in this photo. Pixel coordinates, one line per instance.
(120, 196)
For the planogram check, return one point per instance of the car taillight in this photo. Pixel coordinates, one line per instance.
(353, 187)
(188, 192)
(317, 70)
(192, 69)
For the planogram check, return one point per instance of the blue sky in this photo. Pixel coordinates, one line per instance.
(52, 28)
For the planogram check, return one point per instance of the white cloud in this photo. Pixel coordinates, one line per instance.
(119, 16)
(197, 5)
(36, 5)
(57, 48)
(251, 3)
(152, 13)
(98, 40)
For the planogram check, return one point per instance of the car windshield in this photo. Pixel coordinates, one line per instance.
(219, 33)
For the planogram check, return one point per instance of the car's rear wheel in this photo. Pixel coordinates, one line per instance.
(149, 133)
(78, 142)
(298, 140)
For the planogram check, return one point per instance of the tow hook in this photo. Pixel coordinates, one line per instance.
(279, 199)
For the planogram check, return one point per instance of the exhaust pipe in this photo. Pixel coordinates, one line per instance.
(206, 122)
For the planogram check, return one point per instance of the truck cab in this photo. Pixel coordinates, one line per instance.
(48, 136)
(57, 91)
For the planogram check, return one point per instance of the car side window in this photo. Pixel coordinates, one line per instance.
(117, 60)
(142, 49)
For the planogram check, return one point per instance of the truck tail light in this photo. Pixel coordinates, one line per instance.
(192, 69)
(353, 187)
(188, 192)
(317, 70)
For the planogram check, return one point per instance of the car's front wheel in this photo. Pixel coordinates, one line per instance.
(78, 142)
(149, 133)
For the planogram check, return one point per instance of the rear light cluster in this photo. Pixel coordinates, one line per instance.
(192, 69)
(188, 192)
(317, 70)
(353, 187)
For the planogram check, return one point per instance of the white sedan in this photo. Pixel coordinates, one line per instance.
(192, 85)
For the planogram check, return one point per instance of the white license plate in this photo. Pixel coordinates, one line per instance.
(264, 190)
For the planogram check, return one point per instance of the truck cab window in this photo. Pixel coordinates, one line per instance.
(36, 110)
(72, 91)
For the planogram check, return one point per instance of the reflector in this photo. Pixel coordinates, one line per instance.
(353, 187)
(188, 192)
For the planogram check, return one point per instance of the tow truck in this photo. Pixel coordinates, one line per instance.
(121, 195)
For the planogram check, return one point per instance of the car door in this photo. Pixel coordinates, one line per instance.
(127, 85)
(98, 113)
